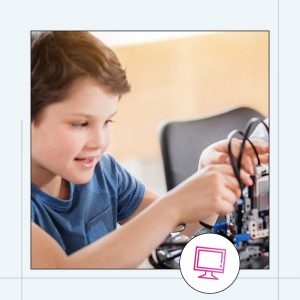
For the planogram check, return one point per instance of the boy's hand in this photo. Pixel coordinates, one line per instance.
(217, 153)
(212, 190)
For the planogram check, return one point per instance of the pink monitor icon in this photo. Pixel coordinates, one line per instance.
(209, 260)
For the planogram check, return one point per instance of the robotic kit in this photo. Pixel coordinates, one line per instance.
(247, 227)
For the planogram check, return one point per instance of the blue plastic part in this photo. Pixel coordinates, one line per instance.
(241, 237)
(220, 227)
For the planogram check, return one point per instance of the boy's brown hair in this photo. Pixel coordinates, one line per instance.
(59, 58)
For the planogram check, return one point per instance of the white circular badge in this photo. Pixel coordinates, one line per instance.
(209, 263)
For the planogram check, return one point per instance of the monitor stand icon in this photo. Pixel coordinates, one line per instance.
(208, 275)
(209, 260)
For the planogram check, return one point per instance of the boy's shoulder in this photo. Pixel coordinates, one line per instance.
(108, 162)
(110, 170)
(108, 167)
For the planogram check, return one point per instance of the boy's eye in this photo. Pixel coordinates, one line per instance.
(80, 124)
(107, 122)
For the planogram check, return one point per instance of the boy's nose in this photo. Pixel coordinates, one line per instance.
(99, 140)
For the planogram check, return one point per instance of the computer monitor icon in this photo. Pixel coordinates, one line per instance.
(209, 260)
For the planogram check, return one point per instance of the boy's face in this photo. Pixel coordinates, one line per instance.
(72, 134)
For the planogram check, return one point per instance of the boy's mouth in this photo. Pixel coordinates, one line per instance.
(87, 162)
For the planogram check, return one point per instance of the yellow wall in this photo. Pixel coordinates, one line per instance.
(186, 78)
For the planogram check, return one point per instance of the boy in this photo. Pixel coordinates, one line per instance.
(79, 192)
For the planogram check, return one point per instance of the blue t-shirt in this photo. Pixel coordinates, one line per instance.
(93, 209)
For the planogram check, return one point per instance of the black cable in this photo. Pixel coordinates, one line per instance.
(161, 263)
(266, 126)
(156, 265)
(161, 246)
(170, 257)
(232, 158)
(205, 225)
(255, 151)
(236, 165)
(237, 162)
(250, 124)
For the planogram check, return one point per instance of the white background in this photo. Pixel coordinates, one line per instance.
(17, 19)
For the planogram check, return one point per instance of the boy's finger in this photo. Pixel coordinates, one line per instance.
(264, 159)
(245, 177)
(261, 146)
(219, 157)
(216, 157)
(235, 193)
(232, 183)
(231, 195)
(224, 207)
(247, 164)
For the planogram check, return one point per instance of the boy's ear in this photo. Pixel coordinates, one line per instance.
(34, 123)
(37, 120)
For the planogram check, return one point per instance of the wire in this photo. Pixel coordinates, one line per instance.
(252, 122)
(236, 163)
(161, 246)
(255, 151)
(266, 126)
(232, 158)
(205, 225)
(160, 263)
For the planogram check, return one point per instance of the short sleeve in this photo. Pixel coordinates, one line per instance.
(130, 191)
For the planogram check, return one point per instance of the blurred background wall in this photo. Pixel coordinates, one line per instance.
(180, 78)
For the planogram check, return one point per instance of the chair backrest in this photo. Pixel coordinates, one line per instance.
(183, 141)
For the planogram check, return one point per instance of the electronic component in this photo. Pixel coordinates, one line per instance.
(247, 227)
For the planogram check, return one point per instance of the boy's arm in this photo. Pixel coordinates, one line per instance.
(150, 197)
(126, 247)
(210, 191)
(45, 251)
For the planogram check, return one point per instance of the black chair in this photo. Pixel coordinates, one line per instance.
(183, 141)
